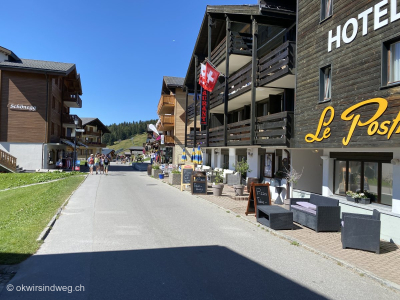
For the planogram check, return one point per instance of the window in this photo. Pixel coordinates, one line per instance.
(326, 9)
(391, 63)
(394, 63)
(325, 79)
(376, 177)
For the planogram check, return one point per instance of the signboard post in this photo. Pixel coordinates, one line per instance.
(259, 195)
(199, 184)
(186, 175)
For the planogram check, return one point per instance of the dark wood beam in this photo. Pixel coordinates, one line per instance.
(226, 94)
(196, 63)
(186, 115)
(253, 82)
(210, 24)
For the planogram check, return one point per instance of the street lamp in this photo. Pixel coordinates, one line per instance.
(76, 121)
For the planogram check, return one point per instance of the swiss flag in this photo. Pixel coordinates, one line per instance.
(202, 78)
(208, 77)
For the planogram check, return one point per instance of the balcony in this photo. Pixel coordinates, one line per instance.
(277, 67)
(167, 123)
(168, 139)
(166, 105)
(72, 100)
(271, 130)
(240, 48)
(68, 119)
(92, 133)
(276, 71)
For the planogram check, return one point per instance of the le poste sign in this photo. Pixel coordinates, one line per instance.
(372, 124)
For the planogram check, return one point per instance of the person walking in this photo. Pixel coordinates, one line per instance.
(101, 162)
(96, 163)
(91, 163)
(107, 162)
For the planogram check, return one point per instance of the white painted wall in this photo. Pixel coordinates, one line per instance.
(396, 185)
(232, 158)
(254, 163)
(310, 163)
(29, 155)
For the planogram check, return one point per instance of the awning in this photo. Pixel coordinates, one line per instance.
(82, 144)
(69, 143)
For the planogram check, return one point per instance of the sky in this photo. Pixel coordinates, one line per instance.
(122, 49)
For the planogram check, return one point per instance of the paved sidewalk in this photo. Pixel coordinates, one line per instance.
(385, 265)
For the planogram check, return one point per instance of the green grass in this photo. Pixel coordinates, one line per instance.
(295, 243)
(25, 212)
(137, 140)
(10, 180)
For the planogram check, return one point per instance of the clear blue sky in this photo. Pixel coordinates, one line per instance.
(122, 49)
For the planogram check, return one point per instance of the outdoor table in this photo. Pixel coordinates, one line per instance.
(275, 217)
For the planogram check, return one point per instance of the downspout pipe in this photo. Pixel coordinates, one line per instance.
(47, 117)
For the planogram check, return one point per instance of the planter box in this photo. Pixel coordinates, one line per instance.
(359, 200)
(174, 179)
(155, 173)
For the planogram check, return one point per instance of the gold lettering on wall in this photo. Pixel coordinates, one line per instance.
(374, 127)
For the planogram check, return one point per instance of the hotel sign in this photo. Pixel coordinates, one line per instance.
(380, 15)
(372, 124)
(22, 107)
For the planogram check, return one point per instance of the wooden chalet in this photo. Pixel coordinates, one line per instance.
(35, 101)
(171, 124)
(91, 140)
(347, 104)
(251, 107)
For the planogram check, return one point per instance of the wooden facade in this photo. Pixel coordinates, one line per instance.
(358, 71)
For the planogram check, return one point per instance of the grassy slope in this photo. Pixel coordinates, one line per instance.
(10, 180)
(138, 140)
(25, 212)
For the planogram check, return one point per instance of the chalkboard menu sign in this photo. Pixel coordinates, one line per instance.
(186, 175)
(199, 184)
(259, 195)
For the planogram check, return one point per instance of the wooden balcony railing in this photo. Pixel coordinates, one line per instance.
(72, 100)
(167, 123)
(70, 119)
(275, 129)
(8, 161)
(239, 133)
(277, 63)
(166, 104)
(92, 133)
(168, 139)
(271, 130)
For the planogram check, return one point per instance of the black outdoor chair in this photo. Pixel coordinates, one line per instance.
(361, 231)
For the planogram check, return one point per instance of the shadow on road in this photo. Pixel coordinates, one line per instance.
(205, 272)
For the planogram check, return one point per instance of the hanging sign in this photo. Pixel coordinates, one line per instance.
(374, 127)
(204, 110)
(162, 139)
(22, 107)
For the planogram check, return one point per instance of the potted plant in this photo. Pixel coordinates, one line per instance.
(361, 198)
(175, 177)
(350, 196)
(218, 185)
(292, 177)
(156, 171)
(242, 167)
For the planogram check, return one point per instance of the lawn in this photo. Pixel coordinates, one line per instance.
(10, 180)
(25, 212)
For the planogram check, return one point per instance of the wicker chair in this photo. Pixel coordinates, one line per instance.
(361, 231)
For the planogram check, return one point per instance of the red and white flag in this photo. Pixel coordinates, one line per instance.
(202, 78)
(208, 77)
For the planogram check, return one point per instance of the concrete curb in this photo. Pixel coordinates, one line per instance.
(53, 220)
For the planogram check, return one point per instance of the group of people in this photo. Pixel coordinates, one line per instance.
(100, 162)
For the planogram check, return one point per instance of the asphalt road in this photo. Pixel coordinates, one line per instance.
(129, 236)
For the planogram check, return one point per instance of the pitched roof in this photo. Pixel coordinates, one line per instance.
(173, 81)
(40, 66)
(95, 122)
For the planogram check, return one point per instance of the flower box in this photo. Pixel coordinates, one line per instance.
(350, 199)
